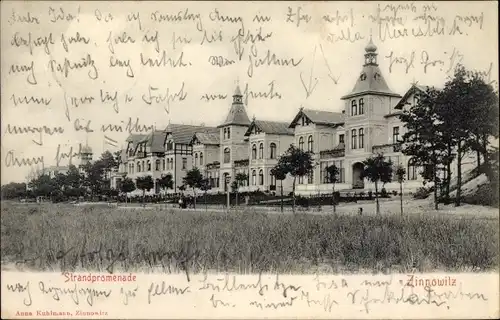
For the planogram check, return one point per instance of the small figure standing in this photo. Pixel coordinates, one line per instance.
(360, 211)
(180, 202)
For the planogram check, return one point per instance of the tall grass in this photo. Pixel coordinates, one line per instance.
(64, 238)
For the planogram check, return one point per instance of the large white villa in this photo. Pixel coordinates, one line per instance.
(368, 124)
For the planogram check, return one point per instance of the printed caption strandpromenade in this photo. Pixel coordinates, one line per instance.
(71, 277)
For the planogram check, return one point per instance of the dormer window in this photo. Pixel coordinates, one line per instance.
(362, 77)
(303, 121)
(354, 108)
(169, 145)
(376, 76)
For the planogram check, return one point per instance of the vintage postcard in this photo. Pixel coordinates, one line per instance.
(203, 159)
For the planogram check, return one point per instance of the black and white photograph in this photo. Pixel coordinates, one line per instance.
(264, 159)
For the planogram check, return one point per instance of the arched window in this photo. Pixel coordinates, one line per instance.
(149, 165)
(227, 155)
(354, 108)
(164, 167)
(225, 133)
(139, 166)
(310, 144)
(254, 176)
(361, 138)
(361, 106)
(229, 133)
(261, 177)
(201, 158)
(132, 171)
(412, 170)
(301, 143)
(353, 139)
(272, 151)
(254, 151)
(157, 165)
(195, 159)
(310, 178)
(261, 151)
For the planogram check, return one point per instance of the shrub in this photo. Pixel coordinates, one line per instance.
(422, 193)
(486, 195)
(383, 193)
(395, 192)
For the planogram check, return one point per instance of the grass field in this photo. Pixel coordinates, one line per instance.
(68, 238)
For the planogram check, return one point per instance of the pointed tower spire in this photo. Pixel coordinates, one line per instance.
(370, 81)
(237, 114)
(237, 96)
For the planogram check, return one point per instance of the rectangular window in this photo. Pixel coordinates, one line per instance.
(341, 138)
(184, 163)
(310, 177)
(395, 134)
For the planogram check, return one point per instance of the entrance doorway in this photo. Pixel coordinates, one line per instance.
(357, 180)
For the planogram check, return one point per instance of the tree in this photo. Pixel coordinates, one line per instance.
(14, 190)
(239, 180)
(205, 186)
(333, 177)
(298, 163)
(126, 186)
(144, 183)
(94, 176)
(279, 172)
(193, 179)
(468, 108)
(74, 182)
(165, 182)
(109, 162)
(376, 170)
(42, 186)
(400, 174)
(422, 142)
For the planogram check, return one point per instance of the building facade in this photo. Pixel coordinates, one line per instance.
(368, 124)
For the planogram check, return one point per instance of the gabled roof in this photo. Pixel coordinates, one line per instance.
(210, 137)
(134, 139)
(320, 117)
(183, 134)
(370, 80)
(270, 127)
(155, 140)
(413, 89)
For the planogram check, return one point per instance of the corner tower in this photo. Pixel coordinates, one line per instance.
(232, 135)
(365, 107)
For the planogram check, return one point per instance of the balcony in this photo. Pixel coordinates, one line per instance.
(241, 163)
(333, 153)
(387, 148)
(214, 165)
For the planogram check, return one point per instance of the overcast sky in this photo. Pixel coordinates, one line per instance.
(470, 36)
